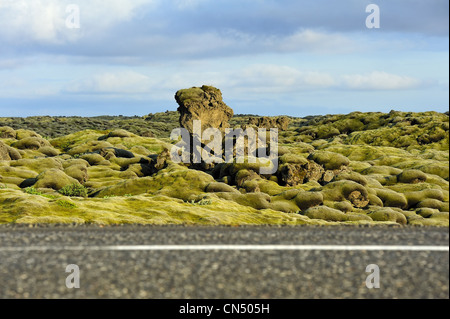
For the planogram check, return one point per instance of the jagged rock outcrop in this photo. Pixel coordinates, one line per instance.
(204, 104)
(291, 174)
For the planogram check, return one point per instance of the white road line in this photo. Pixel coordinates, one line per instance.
(229, 247)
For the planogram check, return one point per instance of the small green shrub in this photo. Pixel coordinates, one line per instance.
(66, 204)
(74, 190)
(32, 191)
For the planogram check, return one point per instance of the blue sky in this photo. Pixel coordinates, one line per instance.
(268, 57)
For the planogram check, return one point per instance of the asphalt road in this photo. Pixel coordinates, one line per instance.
(234, 263)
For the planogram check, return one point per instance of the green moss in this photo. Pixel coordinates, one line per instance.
(219, 187)
(289, 194)
(351, 176)
(194, 94)
(250, 186)
(325, 213)
(357, 217)
(381, 170)
(391, 198)
(95, 159)
(54, 179)
(306, 200)
(32, 191)
(81, 138)
(38, 165)
(66, 204)
(412, 176)
(20, 172)
(120, 133)
(324, 132)
(374, 200)
(24, 133)
(74, 162)
(346, 190)
(413, 198)
(430, 203)
(388, 214)
(440, 215)
(253, 164)
(33, 143)
(74, 190)
(349, 125)
(175, 181)
(426, 212)
(329, 160)
(344, 206)
(7, 132)
(292, 158)
(48, 151)
(392, 158)
(78, 172)
(285, 206)
(445, 207)
(270, 187)
(436, 168)
(429, 222)
(244, 175)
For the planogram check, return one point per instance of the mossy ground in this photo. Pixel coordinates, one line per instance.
(378, 168)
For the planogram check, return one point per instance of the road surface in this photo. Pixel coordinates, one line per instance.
(165, 262)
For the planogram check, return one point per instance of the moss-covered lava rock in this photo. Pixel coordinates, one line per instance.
(359, 168)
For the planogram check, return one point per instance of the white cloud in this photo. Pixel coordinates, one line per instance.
(377, 80)
(122, 82)
(272, 78)
(278, 78)
(44, 21)
(316, 41)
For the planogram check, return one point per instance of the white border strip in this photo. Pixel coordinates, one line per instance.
(229, 247)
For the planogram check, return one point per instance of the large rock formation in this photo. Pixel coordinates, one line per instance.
(204, 104)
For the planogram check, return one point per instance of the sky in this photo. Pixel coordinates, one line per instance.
(286, 57)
